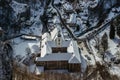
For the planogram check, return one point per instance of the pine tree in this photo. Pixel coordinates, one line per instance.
(112, 31)
(118, 30)
(104, 42)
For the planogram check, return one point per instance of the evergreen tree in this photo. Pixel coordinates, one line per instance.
(112, 31)
(104, 42)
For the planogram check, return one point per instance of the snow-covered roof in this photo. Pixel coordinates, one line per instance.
(72, 18)
(55, 57)
(54, 33)
(57, 1)
(45, 37)
(28, 37)
(70, 57)
(45, 50)
(67, 6)
(56, 20)
(73, 59)
(73, 48)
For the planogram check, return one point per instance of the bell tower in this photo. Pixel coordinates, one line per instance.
(59, 40)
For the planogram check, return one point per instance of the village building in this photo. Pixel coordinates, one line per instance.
(68, 9)
(72, 22)
(77, 8)
(58, 3)
(58, 54)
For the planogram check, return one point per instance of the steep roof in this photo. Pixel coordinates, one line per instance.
(68, 6)
(55, 57)
(73, 59)
(76, 50)
(72, 18)
(70, 57)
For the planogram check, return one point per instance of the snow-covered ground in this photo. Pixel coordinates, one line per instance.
(21, 46)
(18, 7)
(111, 51)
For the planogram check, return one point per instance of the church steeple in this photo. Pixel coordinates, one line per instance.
(59, 39)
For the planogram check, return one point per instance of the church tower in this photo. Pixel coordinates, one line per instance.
(59, 39)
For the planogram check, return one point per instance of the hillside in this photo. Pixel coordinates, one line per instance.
(93, 24)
